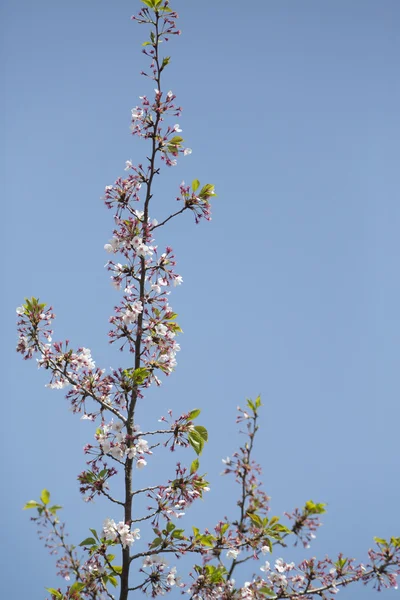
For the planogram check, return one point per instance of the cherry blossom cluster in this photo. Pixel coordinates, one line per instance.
(313, 578)
(171, 501)
(198, 201)
(91, 574)
(209, 584)
(67, 367)
(120, 532)
(180, 429)
(115, 443)
(64, 363)
(94, 482)
(310, 579)
(160, 578)
(33, 323)
(306, 522)
(144, 313)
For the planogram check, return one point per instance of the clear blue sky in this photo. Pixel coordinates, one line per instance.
(292, 291)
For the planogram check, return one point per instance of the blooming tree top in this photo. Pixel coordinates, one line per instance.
(112, 561)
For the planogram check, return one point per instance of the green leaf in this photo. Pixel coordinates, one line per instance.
(255, 519)
(177, 139)
(258, 402)
(267, 591)
(117, 569)
(113, 580)
(216, 574)
(54, 592)
(31, 504)
(174, 144)
(315, 509)
(140, 375)
(146, 43)
(251, 405)
(224, 527)
(281, 528)
(206, 540)
(202, 431)
(195, 184)
(45, 496)
(207, 191)
(149, 3)
(178, 534)
(95, 534)
(380, 541)
(156, 542)
(196, 441)
(194, 413)
(194, 466)
(172, 317)
(88, 542)
(77, 586)
(170, 526)
(165, 62)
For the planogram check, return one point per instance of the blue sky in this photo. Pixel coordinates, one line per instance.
(292, 291)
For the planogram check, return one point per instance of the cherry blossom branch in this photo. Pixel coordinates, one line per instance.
(144, 324)
(179, 212)
(146, 518)
(146, 489)
(137, 362)
(87, 392)
(111, 498)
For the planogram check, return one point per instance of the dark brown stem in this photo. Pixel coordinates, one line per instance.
(179, 212)
(126, 558)
(246, 460)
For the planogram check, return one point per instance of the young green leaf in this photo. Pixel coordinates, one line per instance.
(31, 504)
(194, 466)
(156, 542)
(55, 593)
(113, 580)
(194, 413)
(77, 586)
(88, 542)
(202, 431)
(267, 591)
(45, 496)
(196, 441)
(170, 526)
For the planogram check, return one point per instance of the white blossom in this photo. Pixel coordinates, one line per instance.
(266, 567)
(161, 330)
(178, 280)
